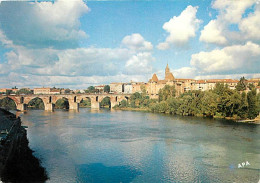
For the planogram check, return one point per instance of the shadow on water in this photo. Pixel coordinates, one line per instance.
(97, 172)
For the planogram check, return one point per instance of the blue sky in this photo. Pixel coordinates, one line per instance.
(80, 43)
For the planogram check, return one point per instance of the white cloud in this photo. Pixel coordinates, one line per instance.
(230, 13)
(185, 72)
(181, 28)
(42, 24)
(140, 63)
(137, 42)
(250, 26)
(231, 59)
(213, 33)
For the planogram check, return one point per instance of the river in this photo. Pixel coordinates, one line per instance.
(127, 146)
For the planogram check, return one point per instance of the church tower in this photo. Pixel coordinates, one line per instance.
(168, 74)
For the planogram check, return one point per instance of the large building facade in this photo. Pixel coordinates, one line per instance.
(181, 85)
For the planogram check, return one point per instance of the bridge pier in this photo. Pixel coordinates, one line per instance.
(74, 106)
(49, 107)
(113, 104)
(21, 107)
(95, 105)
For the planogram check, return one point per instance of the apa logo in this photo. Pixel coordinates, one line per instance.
(243, 164)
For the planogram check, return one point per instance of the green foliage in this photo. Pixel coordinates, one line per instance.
(36, 103)
(220, 88)
(67, 91)
(85, 103)
(258, 102)
(252, 104)
(123, 103)
(8, 92)
(24, 91)
(91, 89)
(136, 96)
(241, 85)
(251, 86)
(107, 89)
(62, 104)
(243, 109)
(7, 103)
(105, 102)
(166, 92)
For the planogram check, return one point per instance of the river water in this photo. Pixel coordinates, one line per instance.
(126, 146)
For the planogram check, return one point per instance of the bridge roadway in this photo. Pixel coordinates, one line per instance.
(49, 100)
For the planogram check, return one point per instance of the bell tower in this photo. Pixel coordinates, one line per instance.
(167, 71)
(168, 74)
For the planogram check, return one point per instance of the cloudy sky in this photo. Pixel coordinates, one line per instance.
(76, 43)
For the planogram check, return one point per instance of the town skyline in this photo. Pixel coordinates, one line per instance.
(76, 44)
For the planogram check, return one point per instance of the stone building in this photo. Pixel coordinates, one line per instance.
(181, 85)
(210, 84)
(137, 86)
(41, 90)
(46, 91)
(116, 87)
(127, 88)
(100, 88)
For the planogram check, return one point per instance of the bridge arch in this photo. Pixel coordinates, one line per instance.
(36, 103)
(62, 103)
(84, 102)
(105, 102)
(7, 102)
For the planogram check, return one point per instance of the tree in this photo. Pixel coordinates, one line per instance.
(36, 103)
(219, 88)
(252, 104)
(251, 86)
(243, 110)
(7, 103)
(62, 104)
(241, 85)
(166, 92)
(123, 103)
(107, 89)
(91, 89)
(143, 89)
(67, 91)
(105, 102)
(208, 104)
(24, 91)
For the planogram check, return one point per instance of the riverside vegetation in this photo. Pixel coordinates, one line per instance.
(221, 102)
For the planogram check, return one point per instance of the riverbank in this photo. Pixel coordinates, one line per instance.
(238, 120)
(17, 163)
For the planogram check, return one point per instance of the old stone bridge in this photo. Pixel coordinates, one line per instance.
(49, 100)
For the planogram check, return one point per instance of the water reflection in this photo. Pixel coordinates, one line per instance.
(98, 172)
(124, 146)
